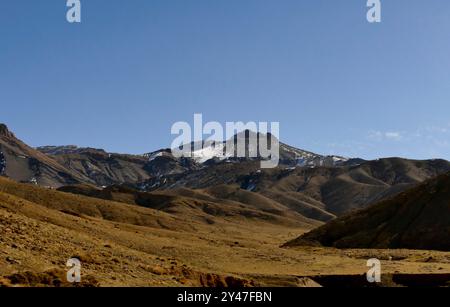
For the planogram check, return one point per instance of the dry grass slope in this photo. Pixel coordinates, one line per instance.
(124, 244)
(418, 218)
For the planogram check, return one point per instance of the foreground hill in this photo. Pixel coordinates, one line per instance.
(418, 218)
(202, 205)
(169, 242)
(170, 210)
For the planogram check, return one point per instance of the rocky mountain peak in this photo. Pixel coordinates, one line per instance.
(4, 131)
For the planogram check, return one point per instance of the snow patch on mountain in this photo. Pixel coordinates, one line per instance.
(155, 155)
(210, 152)
(317, 161)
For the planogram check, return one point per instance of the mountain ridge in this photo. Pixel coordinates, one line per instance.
(319, 190)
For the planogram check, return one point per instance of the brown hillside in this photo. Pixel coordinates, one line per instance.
(200, 204)
(122, 244)
(418, 218)
(23, 163)
(318, 193)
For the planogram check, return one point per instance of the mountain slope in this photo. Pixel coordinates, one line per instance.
(122, 244)
(23, 163)
(202, 205)
(99, 167)
(102, 168)
(164, 240)
(418, 218)
(288, 155)
(323, 192)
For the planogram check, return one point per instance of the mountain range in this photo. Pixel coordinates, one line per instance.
(155, 219)
(311, 185)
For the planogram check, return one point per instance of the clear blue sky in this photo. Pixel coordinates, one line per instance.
(336, 83)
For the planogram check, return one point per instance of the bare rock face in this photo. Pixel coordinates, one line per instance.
(4, 131)
(2, 164)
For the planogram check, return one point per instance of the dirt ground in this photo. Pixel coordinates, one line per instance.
(116, 254)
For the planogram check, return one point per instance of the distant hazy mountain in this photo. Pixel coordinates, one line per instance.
(418, 218)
